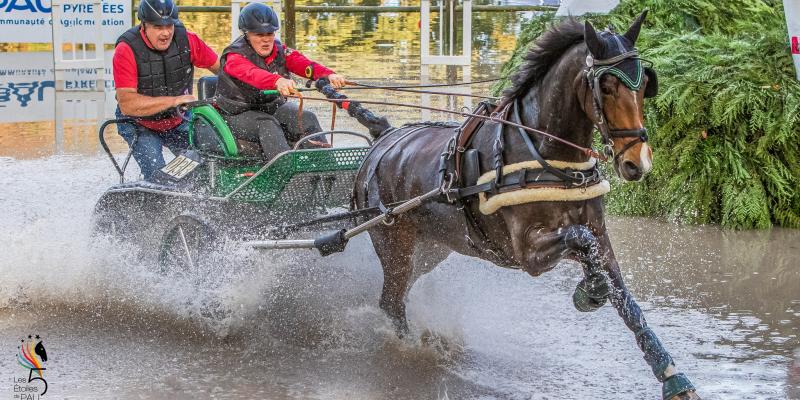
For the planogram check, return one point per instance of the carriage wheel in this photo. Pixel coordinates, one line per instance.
(186, 246)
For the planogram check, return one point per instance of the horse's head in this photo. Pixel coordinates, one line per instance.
(612, 90)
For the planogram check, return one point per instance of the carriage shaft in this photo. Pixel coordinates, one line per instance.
(336, 241)
(283, 244)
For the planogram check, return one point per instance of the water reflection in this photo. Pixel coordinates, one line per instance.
(370, 47)
(749, 280)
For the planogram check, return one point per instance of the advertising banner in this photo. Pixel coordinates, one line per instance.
(27, 91)
(792, 9)
(28, 21)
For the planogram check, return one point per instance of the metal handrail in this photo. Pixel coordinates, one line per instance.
(120, 171)
(323, 133)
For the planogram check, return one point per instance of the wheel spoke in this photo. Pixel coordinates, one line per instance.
(186, 248)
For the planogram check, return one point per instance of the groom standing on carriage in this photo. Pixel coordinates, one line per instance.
(154, 73)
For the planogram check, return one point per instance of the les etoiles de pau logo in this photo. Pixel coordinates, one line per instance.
(31, 356)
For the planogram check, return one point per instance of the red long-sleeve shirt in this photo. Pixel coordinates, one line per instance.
(126, 76)
(242, 69)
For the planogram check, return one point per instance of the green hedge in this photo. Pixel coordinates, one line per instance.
(725, 128)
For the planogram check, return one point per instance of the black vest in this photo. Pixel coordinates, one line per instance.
(235, 96)
(162, 73)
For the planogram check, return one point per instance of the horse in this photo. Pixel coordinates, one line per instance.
(522, 189)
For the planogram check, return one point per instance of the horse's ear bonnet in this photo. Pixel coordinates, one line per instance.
(609, 44)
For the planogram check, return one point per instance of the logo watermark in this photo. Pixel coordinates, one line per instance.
(31, 357)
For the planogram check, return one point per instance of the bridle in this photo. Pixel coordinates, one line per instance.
(594, 72)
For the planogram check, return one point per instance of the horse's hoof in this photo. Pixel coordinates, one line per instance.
(678, 387)
(590, 297)
(584, 303)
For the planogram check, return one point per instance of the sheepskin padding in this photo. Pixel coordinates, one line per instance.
(522, 196)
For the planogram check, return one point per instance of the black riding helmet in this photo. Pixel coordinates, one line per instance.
(258, 18)
(158, 12)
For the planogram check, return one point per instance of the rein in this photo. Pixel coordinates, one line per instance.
(365, 86)
(444, 93)
(494, 117)
(410, 89)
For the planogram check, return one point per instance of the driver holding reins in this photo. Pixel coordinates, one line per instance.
(257, 61)
(153, 74)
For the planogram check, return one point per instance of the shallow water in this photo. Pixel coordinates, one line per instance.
(290, 325)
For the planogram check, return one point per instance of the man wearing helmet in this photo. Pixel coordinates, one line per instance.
(153, 73)
(254, 62)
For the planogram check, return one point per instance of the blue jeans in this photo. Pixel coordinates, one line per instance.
(148, 148)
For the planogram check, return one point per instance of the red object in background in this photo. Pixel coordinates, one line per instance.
(795, 45)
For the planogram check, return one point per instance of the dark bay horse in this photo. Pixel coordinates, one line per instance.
(522, 199)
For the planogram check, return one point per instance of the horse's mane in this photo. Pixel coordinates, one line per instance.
(545, 51)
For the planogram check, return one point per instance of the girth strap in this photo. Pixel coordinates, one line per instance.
(529, 178)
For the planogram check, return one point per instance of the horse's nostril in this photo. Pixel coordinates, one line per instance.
(630, 167)
(631, 170)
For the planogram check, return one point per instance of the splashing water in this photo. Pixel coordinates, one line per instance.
(294, 325)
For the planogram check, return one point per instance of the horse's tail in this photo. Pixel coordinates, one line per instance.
(375, 124)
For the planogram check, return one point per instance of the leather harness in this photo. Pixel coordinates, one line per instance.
(454, 188)
(451, 170)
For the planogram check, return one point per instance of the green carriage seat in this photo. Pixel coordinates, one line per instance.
(209, 133)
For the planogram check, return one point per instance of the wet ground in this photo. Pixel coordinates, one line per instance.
(291, 325)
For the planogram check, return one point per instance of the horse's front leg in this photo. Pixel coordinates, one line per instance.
(598, 257)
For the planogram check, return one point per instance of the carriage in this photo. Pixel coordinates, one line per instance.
(223, 188)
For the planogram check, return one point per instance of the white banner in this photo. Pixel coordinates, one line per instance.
(28, 21)
(580, 7)
(27, 91)
(792, 9)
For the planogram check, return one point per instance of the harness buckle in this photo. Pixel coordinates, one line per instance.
(450, 194)
(608, 149)
(389, 212)
(579, 175)
(451, 147)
